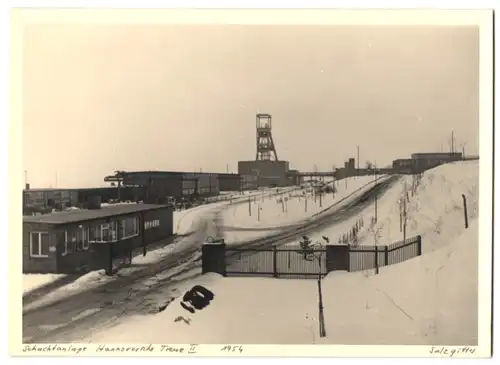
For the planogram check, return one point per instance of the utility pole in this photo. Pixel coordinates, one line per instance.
(452, 142)
(227, 168)
(376, 195)
(463, 150)
(357, 173)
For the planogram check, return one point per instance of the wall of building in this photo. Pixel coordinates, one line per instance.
(230, 182)
(40, 264)
(158, 224)
(174, 184)
(159, 188)
(189, 187)
(268, 172)
(445, 156)
(49, 198)
(249, 182)
(207, 183)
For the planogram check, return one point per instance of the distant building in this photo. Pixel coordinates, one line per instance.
(420, 162)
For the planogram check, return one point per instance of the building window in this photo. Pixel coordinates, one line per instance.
(39, 244)
(103, 233)
(129, 228)
(152, 224)
(86, 243)
(76, 240)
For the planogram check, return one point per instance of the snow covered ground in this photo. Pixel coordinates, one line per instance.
(434, 211)
(430, 300)
(240, 226)
(186, 222)
(274, 213)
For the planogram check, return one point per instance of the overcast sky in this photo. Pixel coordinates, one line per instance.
(101, 98)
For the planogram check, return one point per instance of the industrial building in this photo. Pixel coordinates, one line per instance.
(266, 169)
(420, 162)
(266, 173)
(163, 186)
(47, 200)
(84, 240)
(230, 182)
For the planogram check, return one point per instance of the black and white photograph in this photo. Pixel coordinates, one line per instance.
(266, 181)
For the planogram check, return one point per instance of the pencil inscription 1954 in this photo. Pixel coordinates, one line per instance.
(232, 348)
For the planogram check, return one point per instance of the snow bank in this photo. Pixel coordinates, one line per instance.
(87, 281)
(431, 300)
(435, 211)
(34, 281)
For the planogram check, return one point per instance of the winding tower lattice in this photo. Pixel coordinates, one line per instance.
(266, 150)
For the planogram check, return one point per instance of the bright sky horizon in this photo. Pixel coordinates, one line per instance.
(184, 97)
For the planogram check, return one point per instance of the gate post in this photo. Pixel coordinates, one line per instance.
(419, 245)
(213, 258)
(275, 262)
(337, 258)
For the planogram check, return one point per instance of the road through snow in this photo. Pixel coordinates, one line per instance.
(73, 318)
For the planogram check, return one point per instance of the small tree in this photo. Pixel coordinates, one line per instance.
(305, 244)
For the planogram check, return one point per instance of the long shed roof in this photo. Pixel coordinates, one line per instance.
(74, 216)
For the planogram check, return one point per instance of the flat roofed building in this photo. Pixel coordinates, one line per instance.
(83, 240)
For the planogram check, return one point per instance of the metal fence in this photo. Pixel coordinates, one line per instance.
(308, 263)
(369, 257)
(274, 262)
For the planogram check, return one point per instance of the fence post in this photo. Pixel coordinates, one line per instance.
(376, 259)
(275, 261)
(465, 211)
(419, 245)
(386, 255)
(322, 330)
